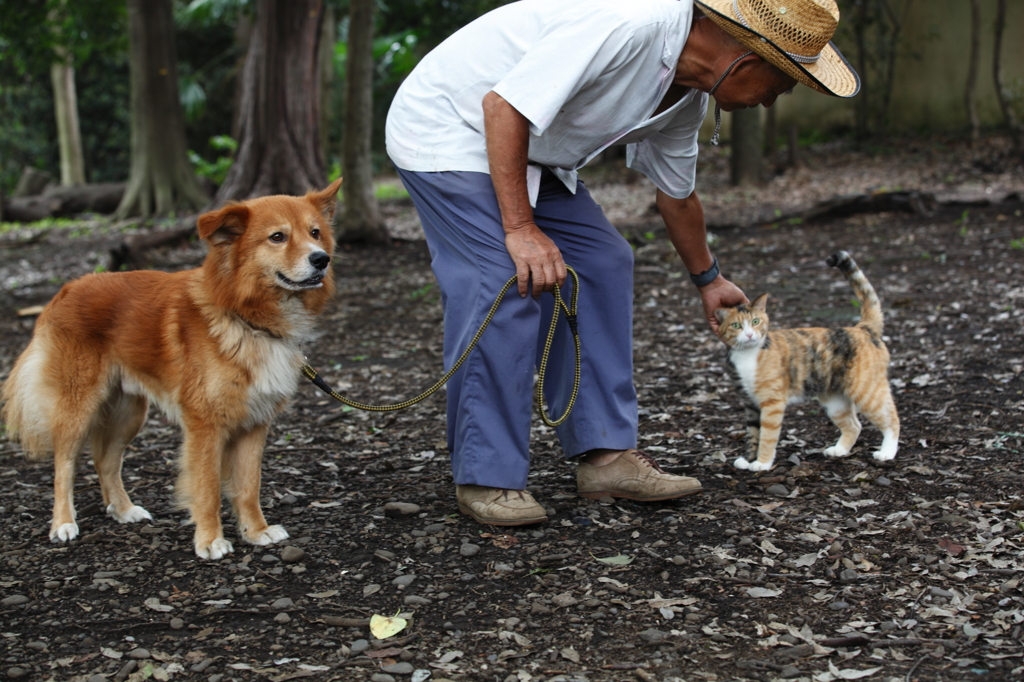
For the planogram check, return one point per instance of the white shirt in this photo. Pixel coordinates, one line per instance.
(585, 74)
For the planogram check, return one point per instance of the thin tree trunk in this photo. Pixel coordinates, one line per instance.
(360, 219)
(161, 179)
(279, 125)
(1009, 115)
(970, 99)
(747, 156)
(65, 105)
(69, 136)
(890, 76)
(328, 39)
(860, 28)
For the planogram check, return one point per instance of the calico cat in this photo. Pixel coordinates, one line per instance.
(844, 369)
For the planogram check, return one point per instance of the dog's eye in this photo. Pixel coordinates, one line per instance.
(736, 325)
(315, 233)
(278, 237)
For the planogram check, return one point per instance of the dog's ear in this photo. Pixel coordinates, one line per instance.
(224, 225)
(326, 200)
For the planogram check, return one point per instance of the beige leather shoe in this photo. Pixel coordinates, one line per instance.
(634, 476)
(498, 506)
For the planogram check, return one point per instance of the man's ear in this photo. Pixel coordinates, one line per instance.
(224, 225)
(326, 200)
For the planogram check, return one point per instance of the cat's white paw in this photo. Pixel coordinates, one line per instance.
(836, 451)
(217, 549)
(741, 463)
(761, 466)
(133, 514)
(268, 537)
(64, 532)
(884, 454)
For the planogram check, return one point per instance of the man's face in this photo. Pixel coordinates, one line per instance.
(751, 83)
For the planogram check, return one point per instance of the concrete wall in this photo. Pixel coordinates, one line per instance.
(931, 72)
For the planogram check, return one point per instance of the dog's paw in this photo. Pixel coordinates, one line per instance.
(760, 466)
(835, 451)
(131, 515)
(741, 463)
(884, 455)
(64, 532)
(217, 549)
(269, 536)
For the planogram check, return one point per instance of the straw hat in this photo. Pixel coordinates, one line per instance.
(793, 35)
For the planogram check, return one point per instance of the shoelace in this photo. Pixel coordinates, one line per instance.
(649, 461)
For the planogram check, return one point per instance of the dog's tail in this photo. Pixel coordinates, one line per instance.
(871, 308)
(25, 411)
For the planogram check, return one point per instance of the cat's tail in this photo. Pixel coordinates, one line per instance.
(871, 308)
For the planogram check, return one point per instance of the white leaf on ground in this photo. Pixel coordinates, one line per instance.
(761, 592)
(154, 603)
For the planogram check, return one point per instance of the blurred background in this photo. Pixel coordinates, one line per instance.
(170, 106)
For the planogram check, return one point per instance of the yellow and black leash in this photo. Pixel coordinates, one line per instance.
(570, 317)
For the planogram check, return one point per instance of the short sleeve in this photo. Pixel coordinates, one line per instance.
(566, 59)
(669, 157)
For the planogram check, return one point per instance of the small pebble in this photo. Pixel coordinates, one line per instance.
(413, 600)
(469, 549)
(97, 678)
(404, 580)
(883, 481)
(839, 606)
(14, 600)
(282, 603)
(653, 636)
(292, 555)
(564, 600)
(269, 559)
(396, 510)
(382, 677)
(939, 592)
(359, 646)
(139, 654)
(14, 672)
(789, 672)
(778, 489)
(401, 668)
(848, 575)
(282, 618)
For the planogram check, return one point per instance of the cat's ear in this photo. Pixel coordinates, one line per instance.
(720, 314)
(760, 303)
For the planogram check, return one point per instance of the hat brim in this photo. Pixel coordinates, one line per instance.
(831, 74)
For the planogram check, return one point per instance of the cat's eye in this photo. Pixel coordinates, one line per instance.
(757, 321)
(736, 325)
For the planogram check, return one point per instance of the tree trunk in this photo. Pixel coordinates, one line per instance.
(161, 179)
(970, 99)
(360, 219)
(328, 39)
(1009, 115)
(279, 127)
(69, 136)
(747, 157)
(863, 111)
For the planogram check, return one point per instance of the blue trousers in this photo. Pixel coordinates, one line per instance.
(490, 397)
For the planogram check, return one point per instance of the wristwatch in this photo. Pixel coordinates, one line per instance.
(706, 277)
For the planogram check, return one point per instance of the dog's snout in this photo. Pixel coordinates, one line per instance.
(319, 260)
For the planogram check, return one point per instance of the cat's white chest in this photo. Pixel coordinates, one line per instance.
(745, 362)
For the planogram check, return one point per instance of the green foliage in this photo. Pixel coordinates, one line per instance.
(94, 33)
(1017, 244)
(218, 169)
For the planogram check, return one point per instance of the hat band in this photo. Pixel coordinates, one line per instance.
(795, 57)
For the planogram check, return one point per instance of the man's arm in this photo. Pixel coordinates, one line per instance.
(684, 219)
(534, 253)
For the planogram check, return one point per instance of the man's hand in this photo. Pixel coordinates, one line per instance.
(535, 256)
(721, 293)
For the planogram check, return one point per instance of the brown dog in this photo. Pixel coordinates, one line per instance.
(217, 348)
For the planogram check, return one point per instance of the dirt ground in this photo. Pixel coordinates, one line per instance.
(816, 570)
